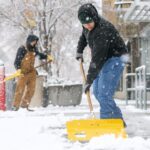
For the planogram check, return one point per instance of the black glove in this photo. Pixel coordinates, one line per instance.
(86, 87)
(79, 56)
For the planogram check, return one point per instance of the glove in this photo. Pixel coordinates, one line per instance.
(23, 71)
(79, 56)
(86, 87)
(50, 58)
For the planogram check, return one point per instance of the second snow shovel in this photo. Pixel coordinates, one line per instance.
(85, 129)
(18, 73)
(14, 75)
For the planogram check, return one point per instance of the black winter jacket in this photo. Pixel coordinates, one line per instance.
(23, 50)
(104, 42)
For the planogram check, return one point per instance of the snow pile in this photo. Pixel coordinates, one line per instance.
(45, 129)
(109, 142)
(61, 81)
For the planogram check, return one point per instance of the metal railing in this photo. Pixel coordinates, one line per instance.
(130, 79)
(139, 87)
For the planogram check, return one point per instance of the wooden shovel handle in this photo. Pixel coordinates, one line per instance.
(87, 93)
(43, 64)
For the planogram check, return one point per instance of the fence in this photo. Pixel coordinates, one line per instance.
(139, 87)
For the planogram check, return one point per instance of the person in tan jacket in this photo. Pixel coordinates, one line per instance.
(24, 63)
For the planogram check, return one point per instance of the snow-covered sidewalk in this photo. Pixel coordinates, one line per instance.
(44, 129)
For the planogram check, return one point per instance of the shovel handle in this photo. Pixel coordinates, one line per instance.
(42, 64)
(14, 75)
(88, 92)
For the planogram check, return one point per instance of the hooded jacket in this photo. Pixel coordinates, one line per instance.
(22, 51)
(104, 42)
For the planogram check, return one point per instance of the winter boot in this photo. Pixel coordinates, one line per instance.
(14, 108)
(29, 109)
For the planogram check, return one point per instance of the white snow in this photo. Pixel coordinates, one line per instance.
(45, 129)
(61, 81)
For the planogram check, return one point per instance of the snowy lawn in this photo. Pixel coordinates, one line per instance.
(44, 129)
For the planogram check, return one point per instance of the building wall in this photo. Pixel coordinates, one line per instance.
(108, 11)
(145, 47)
(139, 45)
(114, 13)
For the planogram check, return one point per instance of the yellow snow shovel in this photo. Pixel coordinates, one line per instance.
(14, 75)
(85, 129)
(18, 72)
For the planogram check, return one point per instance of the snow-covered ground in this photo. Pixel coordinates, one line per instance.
(44, 129)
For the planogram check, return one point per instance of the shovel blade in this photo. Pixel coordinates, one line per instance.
(84, 130)
(16, 74)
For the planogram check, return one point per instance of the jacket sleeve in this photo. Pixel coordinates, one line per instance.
(41, 55)
(20, 55)
(82, 43)
(99, 56)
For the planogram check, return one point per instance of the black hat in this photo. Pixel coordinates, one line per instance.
(32, 38)
(85, 18)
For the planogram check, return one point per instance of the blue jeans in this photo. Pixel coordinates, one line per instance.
(104, 87)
